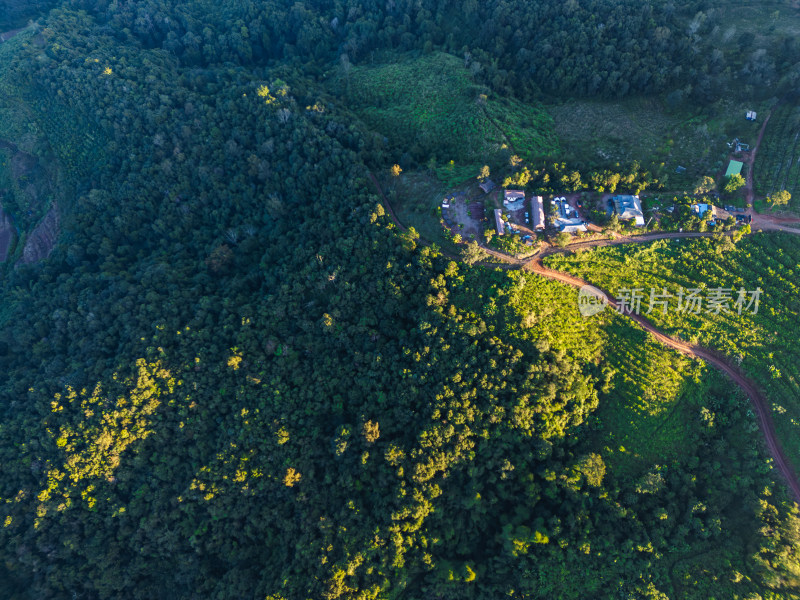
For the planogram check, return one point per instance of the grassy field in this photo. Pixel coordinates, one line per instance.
(430, 108)
(596, 134)
(764, 344)
(778, 160)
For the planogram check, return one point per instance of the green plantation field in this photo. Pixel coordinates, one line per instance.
(13, 118)
(764, 344)
(778, 159)
(651, 396)
(431, 108)
(49, 123)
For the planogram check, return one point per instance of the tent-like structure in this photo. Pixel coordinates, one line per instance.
(734, 168)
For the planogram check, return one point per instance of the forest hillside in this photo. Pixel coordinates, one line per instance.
(227, 372)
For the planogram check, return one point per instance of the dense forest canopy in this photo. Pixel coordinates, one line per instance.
(596, 48)
(17, 13)
(234, 377)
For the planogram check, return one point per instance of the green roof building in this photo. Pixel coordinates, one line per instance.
(734, 168)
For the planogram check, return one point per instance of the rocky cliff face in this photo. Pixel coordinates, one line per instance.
(7, 233)
(42, 239)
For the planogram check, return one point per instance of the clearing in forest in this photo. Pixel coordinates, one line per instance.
(601, 134)
(431, 110)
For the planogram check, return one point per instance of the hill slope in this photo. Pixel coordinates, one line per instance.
(431, 108)
(234, 378)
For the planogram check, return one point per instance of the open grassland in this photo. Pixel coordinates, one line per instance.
(605, 133)
(431, 108)
(764, 343)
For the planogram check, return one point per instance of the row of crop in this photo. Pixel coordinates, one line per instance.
(750, 270)
(770, 152)
(778, 165)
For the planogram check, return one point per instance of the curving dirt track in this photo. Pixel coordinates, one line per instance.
(757, 398)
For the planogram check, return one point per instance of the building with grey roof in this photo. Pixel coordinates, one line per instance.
(537, 213)
(498, 221)
(629, 207)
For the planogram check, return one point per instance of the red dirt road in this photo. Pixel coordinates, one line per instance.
(762, 222)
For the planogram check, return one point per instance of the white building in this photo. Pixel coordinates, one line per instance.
(571, 225)
(498, 221)
(514, 199)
